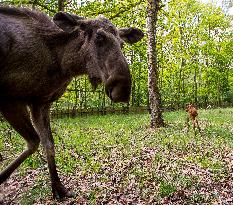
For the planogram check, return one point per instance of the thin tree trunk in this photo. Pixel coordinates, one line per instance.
(154, 94)
(183, 62)
(61, 5)
(195, 84)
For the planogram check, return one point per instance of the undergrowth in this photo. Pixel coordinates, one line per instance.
(118, 158)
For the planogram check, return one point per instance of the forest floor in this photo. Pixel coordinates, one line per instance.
(118, 159)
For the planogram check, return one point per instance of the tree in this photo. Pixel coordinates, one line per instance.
(154, 94)
(193, 52)
(61, 5)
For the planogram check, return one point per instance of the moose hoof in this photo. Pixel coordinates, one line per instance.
(61, 192)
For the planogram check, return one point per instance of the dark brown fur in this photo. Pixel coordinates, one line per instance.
(38, 59)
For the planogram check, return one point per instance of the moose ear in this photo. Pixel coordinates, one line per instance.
(66, 21)
(131, 35)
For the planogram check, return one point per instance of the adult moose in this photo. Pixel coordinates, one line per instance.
(39, 57)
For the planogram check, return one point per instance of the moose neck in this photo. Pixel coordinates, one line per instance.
(70, 54)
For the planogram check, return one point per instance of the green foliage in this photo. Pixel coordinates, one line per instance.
(195, 49)
(166, 189)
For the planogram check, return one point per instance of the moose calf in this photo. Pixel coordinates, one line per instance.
(192, 114)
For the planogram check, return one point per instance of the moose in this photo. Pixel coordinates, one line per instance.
(39, 56)
(192, 114)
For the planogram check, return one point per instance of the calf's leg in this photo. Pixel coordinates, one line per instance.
(41, 121)
(17, 115)
(187, 123)
(199, 129)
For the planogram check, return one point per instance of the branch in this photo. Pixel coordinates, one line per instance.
(125, 9)
(5, 2)
(122, 10)
(36, 3)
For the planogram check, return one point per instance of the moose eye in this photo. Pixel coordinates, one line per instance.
(100, 37)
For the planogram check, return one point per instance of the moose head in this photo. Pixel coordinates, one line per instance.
(99, 52)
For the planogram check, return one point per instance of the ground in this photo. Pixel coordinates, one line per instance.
(118, 159)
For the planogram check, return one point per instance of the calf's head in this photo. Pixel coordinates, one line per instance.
(99, 45)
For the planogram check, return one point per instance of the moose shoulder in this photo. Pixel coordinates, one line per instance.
(39, 57)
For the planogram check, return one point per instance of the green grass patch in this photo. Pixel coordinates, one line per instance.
(107, 156)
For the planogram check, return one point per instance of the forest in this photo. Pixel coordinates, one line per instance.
(194, 52)
(108, 157)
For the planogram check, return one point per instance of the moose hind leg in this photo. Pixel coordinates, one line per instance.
(41, 121)
(18, 117)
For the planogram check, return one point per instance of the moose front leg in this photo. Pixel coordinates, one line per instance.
(16, 113)
(41, 121)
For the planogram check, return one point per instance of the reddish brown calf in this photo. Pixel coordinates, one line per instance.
(192, 114)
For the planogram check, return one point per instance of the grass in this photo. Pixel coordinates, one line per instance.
(117, 157)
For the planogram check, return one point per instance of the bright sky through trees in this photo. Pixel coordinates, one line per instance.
(218, 3)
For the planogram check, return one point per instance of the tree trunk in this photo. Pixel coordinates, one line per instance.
(154, 94)
(61, 5)
(195, 85)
